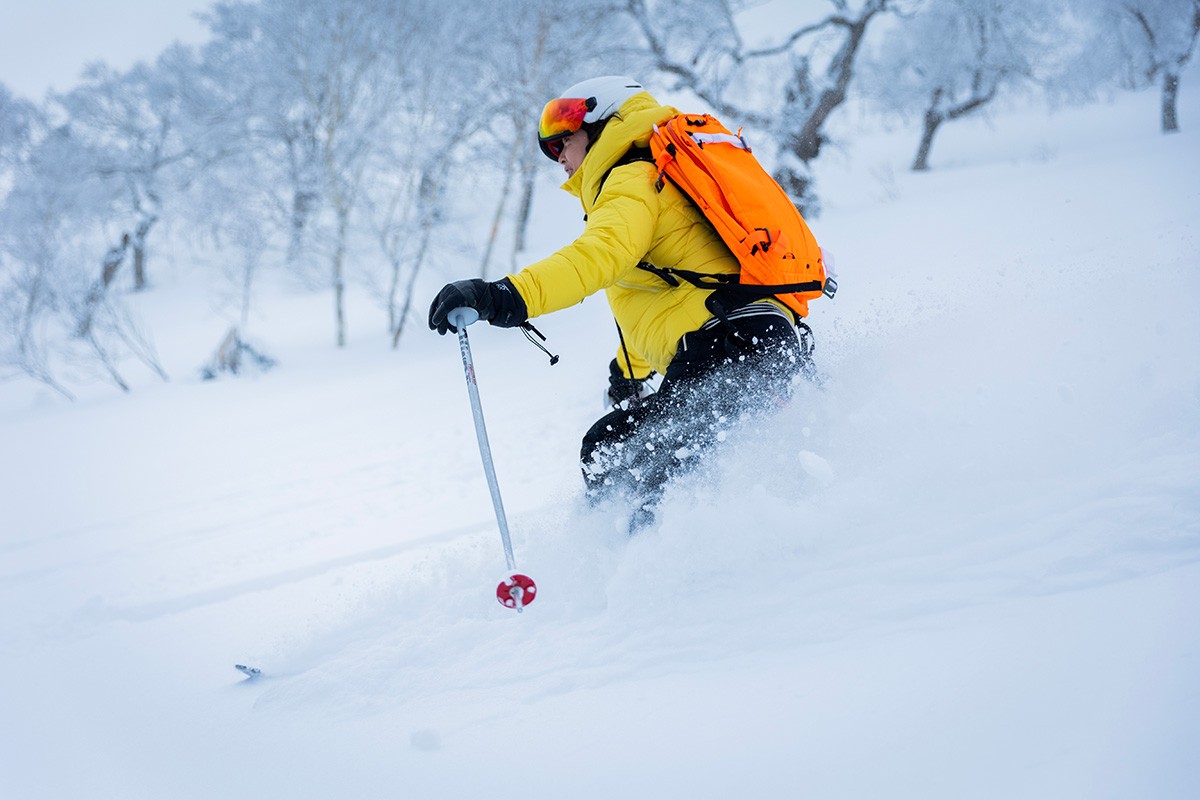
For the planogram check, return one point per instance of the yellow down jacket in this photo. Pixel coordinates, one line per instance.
(629, 221)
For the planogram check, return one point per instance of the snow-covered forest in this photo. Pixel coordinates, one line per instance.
(361, 146)
(966, 564)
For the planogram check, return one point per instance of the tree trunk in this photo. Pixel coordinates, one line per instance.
(393, 242)
(108, 271)
(522, 226)
(933, 118)
(112, 262)
(504, 192)
(411, 286)
(249, 268)
(339, 277)
(430, 194)
(936, 115)
(139, 266)
(393, 290)
(807, 143)
(1170, 94)
(302, 206)
(139, 251)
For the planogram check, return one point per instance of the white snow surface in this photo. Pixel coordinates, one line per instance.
(967, 566)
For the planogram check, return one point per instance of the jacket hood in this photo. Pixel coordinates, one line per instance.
(629, 127)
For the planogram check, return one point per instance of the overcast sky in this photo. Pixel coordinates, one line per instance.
(45, 44)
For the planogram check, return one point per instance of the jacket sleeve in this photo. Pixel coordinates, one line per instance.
(619, 232)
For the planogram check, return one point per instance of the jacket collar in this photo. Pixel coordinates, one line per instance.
(630, 126)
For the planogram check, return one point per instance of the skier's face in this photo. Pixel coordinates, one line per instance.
(573, 150)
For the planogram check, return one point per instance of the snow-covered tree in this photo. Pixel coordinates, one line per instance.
(1138, 42)
(278, 139)
(30, 222)
(409, 181)
(131, 126)
(56, 314)
(788, 84)
(16, 117)
(530, 52)
(952, 58)
(325, 90)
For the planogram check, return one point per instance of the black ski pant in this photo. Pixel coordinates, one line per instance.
(721, 371)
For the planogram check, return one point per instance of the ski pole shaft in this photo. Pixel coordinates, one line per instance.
(460, 318)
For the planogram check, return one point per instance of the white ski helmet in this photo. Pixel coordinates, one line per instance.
(585, 103)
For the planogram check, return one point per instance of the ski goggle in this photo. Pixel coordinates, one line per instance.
(561, 118)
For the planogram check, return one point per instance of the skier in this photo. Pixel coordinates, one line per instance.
(715, 366)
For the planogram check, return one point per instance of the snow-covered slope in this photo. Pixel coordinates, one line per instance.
(967, 566)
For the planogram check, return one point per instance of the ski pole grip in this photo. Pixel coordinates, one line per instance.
(462, 316)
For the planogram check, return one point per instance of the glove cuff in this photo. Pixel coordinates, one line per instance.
(508, 307)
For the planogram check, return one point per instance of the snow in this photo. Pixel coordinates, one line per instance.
(967, 566)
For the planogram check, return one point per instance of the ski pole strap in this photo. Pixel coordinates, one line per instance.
(529, 332)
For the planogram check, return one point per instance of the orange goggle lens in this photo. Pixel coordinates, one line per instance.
(562, 117)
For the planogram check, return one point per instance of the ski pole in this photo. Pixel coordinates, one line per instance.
(516, 591)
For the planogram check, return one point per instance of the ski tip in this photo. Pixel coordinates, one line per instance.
(249, 672)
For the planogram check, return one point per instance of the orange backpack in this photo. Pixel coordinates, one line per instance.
(757, 221)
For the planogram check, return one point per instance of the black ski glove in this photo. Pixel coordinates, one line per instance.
(498, 302)
(621, 388)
